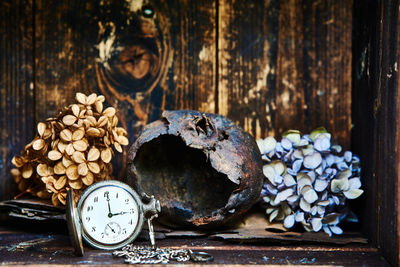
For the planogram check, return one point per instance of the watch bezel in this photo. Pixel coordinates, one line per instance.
(74, 226)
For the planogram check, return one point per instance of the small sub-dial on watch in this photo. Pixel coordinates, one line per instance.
(112, 230)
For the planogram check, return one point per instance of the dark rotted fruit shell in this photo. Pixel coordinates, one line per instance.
(204, 169)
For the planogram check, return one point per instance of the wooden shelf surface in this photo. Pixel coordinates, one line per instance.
(22, 246)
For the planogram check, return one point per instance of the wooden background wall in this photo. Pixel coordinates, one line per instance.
(268, 65)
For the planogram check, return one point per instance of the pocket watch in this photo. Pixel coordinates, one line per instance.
(109, 215)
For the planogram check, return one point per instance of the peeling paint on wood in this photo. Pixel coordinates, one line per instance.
(286, 65)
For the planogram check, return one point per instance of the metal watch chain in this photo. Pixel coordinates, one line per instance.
(154, 255)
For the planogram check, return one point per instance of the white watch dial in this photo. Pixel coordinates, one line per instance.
(109, 215)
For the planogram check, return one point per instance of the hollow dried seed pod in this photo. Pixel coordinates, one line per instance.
(203, 168)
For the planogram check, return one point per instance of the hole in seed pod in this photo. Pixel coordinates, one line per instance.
(167, 167)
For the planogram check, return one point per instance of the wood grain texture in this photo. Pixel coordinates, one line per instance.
(376, 113)
(16, 86)
(43, 246)
(286, 65)
(387, 120)
(142, 63)
(143, 56)
(364, 136)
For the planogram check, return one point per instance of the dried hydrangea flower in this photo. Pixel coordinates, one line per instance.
(307, 181)
(71, 151)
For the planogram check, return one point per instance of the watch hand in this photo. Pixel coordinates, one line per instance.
(109, 208)
(119, 213)
(112, 229)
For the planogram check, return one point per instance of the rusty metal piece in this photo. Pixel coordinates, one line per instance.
(203, 168)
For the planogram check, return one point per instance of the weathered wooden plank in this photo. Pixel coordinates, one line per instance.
(377, 119)
(364, 136)
(143, 57)
(386, 125)
(19, 248)
(16, 86)
(285, 65)
(143, 62)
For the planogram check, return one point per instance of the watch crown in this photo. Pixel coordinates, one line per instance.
(151, 208)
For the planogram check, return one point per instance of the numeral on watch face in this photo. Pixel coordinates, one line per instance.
(106, 219)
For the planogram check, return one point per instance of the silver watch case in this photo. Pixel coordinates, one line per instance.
(75, 222)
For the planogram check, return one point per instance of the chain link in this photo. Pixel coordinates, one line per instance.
(154, 255)
(149, 255)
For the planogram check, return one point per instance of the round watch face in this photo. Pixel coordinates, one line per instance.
(110, 213)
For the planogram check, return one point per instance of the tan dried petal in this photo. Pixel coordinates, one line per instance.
(78, 157)
(70, 149)
(102, 132)
(118, 147)
(62, 146)
(66, 135)
(47, 134)
(88, 179)
(93, 132)
(41, 127)
(78, 124)
(54, 200)
(75, 110)
(69, 119)
(83, 169)
(109, 112)
(114, 121)
(15, 172)
(106, 155)
(75, 184)
(115, 135)
(67, 162)
(82, 113)
(59, 168)
(38, 144)
(50, 186)
(91, 99)
(123, 140)
(72, 172)
(99, 106)
(78, 134)
(80, 145)
(101, 98)
(18, 161)
(81, 98)
(86, 123)
(27, 171)
(47, 179)
(62, 197)
(121, 131)
(106, 141)
(54, 155)
(92, 120)
(54, 144)
(93, 167)
(59, 125)
(60, 183)
(42, 169)
(102, 121)
(93, 154)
